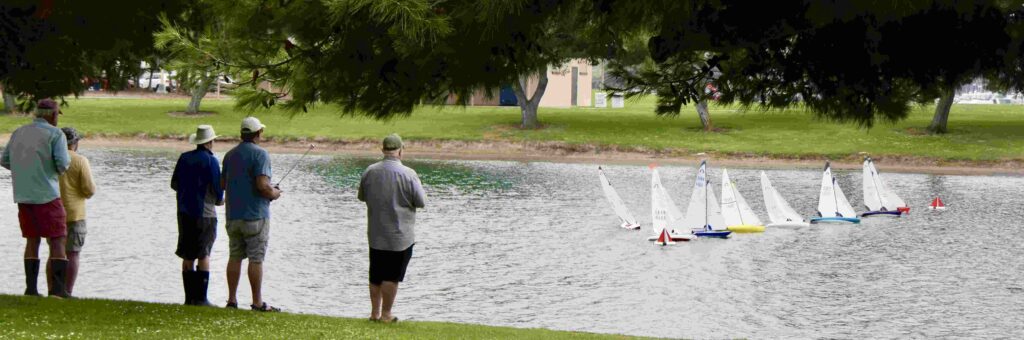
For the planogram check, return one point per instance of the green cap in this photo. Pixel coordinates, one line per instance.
(392, 142)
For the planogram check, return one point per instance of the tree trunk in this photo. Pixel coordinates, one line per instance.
(528, 105)
(938, 125)
(705, 116)
(198, 92)
(10, 103)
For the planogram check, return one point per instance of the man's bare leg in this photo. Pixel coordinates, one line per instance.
(203, 264)
(72, 271)
(187, 265)
(32, 248)
(375, 300)
(234, 272)
(388, 292)
(256, 282)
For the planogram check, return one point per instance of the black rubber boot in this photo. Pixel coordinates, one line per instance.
(189, 283)
(58, 270)
(200, 284)
(31, 277)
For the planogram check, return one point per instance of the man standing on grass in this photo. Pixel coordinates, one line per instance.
(76, 186)
(196, 181)
(392, 193)
(37, 154)
(246, 179)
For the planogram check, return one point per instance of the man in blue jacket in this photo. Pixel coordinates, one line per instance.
(196, 180)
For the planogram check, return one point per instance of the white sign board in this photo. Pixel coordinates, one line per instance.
(618, 102)
(601, 100)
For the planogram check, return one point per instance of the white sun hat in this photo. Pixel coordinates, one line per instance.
(204, 134)
(252, 124)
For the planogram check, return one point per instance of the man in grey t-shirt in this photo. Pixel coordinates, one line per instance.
(392, 193)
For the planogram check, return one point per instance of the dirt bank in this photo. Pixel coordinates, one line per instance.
(564, 153)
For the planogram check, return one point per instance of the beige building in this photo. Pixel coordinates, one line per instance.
(569, 85)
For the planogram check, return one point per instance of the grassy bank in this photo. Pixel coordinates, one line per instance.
(978, 132)
(38, 318)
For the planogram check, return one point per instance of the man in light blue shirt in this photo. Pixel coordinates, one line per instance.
(37, 154)
(246, 180)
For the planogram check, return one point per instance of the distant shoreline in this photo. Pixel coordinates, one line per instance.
(569, 153)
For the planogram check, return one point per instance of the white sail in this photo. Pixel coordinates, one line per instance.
(696, 210)
(791, 214)
(827, 196)
(730, 205)
(613, 197)
(872, 198)
(659, 214)
(674, 214)
(735, 209)
(771, 201)
(843, 205)
(714, 213)
(891, 202)
(748, 215)
(779, 210)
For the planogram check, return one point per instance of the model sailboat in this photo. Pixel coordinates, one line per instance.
(663, 215)
(628, 221)
(832, 204)
(735, 210)
(703, 214)
(879, 200)
(779, 212)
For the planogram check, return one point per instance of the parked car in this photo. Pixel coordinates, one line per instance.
(154, 81)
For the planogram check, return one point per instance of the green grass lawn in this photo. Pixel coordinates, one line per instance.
(46, 318)
(977, 132)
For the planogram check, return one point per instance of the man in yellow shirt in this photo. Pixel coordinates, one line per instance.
(76, 186)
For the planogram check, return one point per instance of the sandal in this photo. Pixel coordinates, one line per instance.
(264, 308)
(394, 319)
(232, 305)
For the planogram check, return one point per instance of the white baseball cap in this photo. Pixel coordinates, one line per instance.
(252, 124)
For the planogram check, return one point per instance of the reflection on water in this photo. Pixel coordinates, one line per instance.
(346, 172)
(536, 245)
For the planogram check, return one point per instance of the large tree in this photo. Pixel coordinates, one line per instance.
(558, 40)
(47, 47)
(843, 60)
(384, 58)
(195, 47)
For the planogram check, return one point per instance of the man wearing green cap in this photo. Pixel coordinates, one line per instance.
(392, 193)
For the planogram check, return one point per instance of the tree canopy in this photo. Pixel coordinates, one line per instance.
(844, 60)
(49, 46)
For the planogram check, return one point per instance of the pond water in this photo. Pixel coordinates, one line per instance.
(536, 245)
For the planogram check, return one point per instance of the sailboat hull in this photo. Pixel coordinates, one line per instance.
(712, 233)
(788, 225)
(630, 226)
(746, 228)
(675, 237)
(881, 213)
(843, 220)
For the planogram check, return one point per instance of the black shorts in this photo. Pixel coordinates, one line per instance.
(195, 236)
(388, 265)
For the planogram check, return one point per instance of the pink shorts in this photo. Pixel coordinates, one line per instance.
(45, 220)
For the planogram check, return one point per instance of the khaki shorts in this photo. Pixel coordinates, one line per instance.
(248, 239)
(76, 236)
